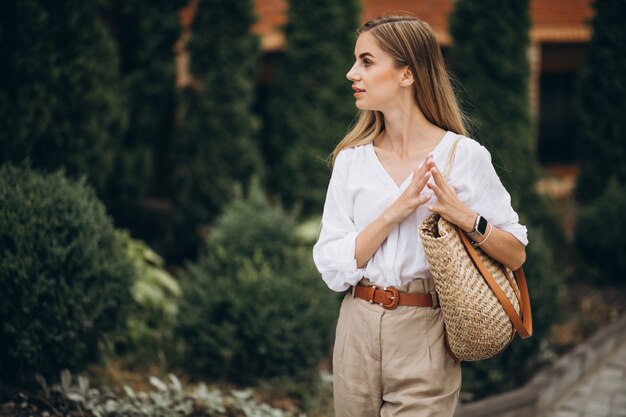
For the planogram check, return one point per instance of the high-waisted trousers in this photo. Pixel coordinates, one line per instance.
(393, 363)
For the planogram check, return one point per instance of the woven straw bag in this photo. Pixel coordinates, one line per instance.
(483, 302)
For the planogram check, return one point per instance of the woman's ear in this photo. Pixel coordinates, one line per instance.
(407, 77)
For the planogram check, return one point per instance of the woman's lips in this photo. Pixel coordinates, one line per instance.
(358, 91)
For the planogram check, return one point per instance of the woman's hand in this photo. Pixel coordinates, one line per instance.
(502, 246)
(412, 197)
(369, 239)
(448, 204)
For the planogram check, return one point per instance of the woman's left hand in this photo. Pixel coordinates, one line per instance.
(448, 204)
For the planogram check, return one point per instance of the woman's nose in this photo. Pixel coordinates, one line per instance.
(351, 75)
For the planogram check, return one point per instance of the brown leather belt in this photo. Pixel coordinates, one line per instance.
(390, 298)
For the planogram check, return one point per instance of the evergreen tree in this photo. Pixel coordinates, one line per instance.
(601, 187)
(310, 104)
(214, 146)
(601, 102)
(489, 57)
(59, 88)
(145, 31)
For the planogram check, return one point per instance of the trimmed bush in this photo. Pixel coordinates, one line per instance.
(64, 275)
(599, 234)
(254, 305)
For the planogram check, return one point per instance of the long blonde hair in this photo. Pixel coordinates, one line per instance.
(410, 42)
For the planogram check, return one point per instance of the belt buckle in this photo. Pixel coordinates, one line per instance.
(395, 298)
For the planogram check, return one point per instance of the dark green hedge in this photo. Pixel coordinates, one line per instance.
(599, 234)
(601, 102)
(254, 305)
(64, 277)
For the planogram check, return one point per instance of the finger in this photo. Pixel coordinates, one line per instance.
(435, 208)
(423, 199)
(429, 163)
(438, 192)
(420, 178)
(438, 177)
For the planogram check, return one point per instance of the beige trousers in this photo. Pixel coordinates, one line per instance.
(393, 362)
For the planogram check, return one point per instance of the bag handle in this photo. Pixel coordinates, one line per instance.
(522, 322)
(451, 156)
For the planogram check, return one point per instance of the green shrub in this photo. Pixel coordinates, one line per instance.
(254, 305)
(64, 275)
(599, 234)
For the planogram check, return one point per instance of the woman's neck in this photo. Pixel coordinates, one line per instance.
(407, 131)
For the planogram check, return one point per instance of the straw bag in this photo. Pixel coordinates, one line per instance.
(483, 302)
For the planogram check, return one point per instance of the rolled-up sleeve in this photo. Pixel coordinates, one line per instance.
(334, 252)
(490, 198)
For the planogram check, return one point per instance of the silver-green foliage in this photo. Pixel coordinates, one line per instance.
(168, 399)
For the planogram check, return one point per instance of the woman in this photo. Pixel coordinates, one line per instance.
(389, 357)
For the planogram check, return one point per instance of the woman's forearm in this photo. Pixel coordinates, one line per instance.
(372, 237)
(505, 248)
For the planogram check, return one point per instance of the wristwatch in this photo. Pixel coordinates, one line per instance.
(480, 227)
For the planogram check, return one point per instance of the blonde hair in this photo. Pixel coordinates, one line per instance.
(410, 42)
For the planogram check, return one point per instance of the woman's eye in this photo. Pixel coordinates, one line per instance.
(367, 62)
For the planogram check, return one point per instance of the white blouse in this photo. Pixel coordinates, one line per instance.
(360, 189)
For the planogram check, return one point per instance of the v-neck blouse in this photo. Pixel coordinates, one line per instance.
(360, 189)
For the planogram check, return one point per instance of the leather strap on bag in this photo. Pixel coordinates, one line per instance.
(523, 322)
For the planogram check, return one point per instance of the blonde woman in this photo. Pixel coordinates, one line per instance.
(389, 356)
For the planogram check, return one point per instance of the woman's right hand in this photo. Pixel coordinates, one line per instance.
(412, 197)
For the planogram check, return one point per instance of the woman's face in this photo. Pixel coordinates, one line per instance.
(376, 81)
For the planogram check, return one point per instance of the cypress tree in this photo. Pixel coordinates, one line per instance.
(601, 103)
(310, 103)
(214, 146)
(145, 31)
(601, 186)
(59, 88)
(489, 57)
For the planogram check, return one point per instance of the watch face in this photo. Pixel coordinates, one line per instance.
(482, 225)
